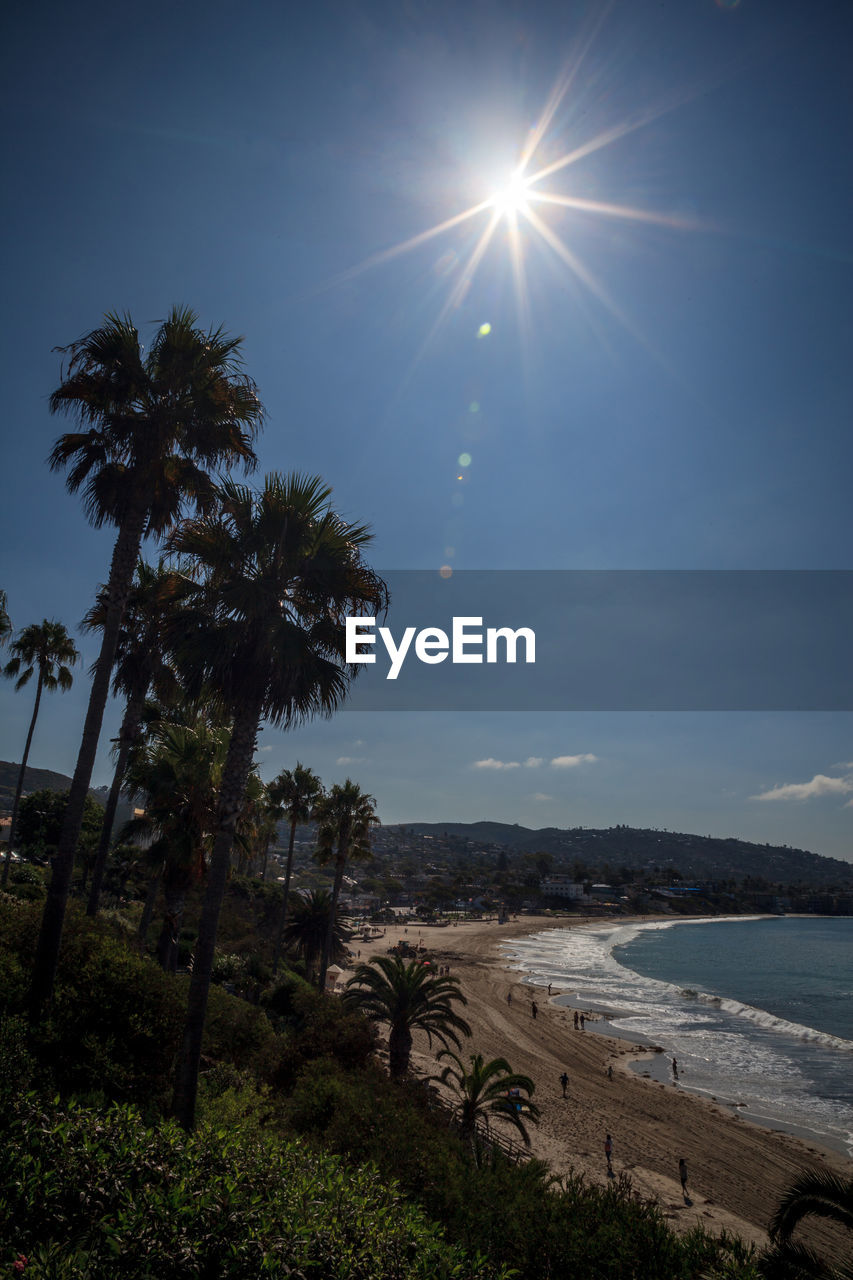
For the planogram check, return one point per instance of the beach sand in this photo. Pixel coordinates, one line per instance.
(737, 1170)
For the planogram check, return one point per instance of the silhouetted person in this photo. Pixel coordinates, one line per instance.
(564, 1081)
(682, 1173)
(608, 1152)
(674, 1069)
(576, 1019)
(534, 1009)
(582, 1021)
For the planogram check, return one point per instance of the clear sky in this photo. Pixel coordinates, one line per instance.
(656, 374)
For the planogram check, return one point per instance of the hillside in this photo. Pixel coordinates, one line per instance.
(42, 780)
(700, 857)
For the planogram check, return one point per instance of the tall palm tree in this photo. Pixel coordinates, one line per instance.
(264, 626)
(140, 666)
(345, 816)
(5, 620)
(408, 997)
(820, 1194)
(45, 647)
(296, 792)
(308, 926)
(150, 428)
(483, 1092)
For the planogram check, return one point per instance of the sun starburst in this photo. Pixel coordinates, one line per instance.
(511, 207)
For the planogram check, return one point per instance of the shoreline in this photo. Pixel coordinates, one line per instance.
(738, 1168)
(719, 1086)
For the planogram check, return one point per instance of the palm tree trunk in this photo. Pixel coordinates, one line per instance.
(127, 736)
(173, 912)
(267, 844)
(283, 917)
(399, 1051)
(20, 785)
(148, 909)
(125, 555)
(238, 762)
(340, 864)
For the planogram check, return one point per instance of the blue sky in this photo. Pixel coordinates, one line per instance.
(675, 393)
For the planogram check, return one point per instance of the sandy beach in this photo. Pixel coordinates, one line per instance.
(737, 1170)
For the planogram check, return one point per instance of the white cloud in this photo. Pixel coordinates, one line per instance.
(571, 762)
(496, 764)
(541, 796)
(350, 760)
(820, 785)
(262, 749)
(533, 762)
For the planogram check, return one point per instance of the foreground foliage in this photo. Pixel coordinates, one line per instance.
(98, 1194)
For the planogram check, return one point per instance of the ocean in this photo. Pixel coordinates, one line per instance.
(758, 1012)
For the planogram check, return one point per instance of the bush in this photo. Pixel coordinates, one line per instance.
(141, 1202)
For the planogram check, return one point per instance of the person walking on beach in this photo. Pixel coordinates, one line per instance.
(509, 997)
(576, 1019)
(674, 1069)
(564, 1081)
(582, 1021)
(549, 988)
(608, 1152)
(682, 1173)
(534, 1009)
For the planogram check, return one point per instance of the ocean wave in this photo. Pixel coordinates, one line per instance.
(762, 1018)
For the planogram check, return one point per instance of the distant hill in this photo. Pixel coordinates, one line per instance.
(35, 780)
(698, 857)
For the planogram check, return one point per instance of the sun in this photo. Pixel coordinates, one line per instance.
(511, 199)
(527, 212)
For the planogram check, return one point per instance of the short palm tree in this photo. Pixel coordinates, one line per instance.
(819, 1194)
(150, 427)
(295, 793)
(177, 773)
(47, 648)
(408, 997)
(308, 927)
(484, 1091)
(345, 816)
(140, 667)
(263, 626)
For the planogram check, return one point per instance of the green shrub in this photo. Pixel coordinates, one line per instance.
(98, 1195)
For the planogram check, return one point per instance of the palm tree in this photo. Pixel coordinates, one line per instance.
(264, 627)
(817, 1193)
(5, 621)
(140, 666)
(484, 1091)
(296, 793)
(267, 827)
(345, 816)
(308, 927)
(407, 996)
(47, 648)
(150, 427)
(177, 771)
